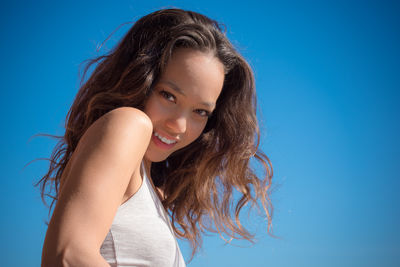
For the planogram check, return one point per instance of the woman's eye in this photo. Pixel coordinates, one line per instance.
(203, 113)
(167, 96)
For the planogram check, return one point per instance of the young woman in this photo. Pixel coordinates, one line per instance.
(157, 140)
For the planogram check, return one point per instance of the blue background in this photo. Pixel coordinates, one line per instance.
(327, 76)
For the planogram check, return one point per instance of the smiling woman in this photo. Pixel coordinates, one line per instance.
(156, 141)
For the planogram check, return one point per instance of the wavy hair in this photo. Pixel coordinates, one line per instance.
(199, 180)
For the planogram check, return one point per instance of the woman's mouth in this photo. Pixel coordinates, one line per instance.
(162, 141)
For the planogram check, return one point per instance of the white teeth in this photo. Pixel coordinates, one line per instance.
(165, 140)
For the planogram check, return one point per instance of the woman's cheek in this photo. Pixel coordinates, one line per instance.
(198, 128)
(154, 109)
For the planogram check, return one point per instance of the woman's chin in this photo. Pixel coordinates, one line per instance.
(153, 157)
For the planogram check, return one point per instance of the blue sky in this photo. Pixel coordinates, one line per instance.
(327, 76)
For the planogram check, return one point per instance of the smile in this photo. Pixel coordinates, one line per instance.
(164, 139)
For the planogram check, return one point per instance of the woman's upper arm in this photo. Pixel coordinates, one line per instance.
(104, 161)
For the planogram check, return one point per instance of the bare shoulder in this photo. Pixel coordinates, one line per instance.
(119, 136)
(120, 125)
(128, 117)
(129, 113)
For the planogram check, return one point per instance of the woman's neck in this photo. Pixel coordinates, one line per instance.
(147, 167)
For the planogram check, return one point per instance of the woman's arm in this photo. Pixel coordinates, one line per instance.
(107, 156)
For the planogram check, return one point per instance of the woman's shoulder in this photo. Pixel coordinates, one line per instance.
(119, 126)
(124, 120)
(120, 135)
(127, 117)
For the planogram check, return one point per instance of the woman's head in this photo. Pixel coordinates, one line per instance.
(129, 74)
(149, 46)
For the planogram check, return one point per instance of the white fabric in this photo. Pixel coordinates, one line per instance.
(141, 233)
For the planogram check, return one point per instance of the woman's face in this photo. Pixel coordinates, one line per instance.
(182, 101)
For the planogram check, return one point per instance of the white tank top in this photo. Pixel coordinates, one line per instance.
(141, 233)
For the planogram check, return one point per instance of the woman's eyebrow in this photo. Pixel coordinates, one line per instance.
(180, 91)
(174, 87)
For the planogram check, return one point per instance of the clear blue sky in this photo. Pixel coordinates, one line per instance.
(327, 75)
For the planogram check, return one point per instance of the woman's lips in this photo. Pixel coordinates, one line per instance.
(160, 143)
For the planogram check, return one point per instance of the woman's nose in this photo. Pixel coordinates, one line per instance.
(177, 125)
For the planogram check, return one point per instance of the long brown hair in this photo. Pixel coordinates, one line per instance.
(198, 180)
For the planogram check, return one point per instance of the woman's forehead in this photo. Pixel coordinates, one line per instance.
(192, 72)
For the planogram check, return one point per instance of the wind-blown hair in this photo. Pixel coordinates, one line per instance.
(198, 180)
